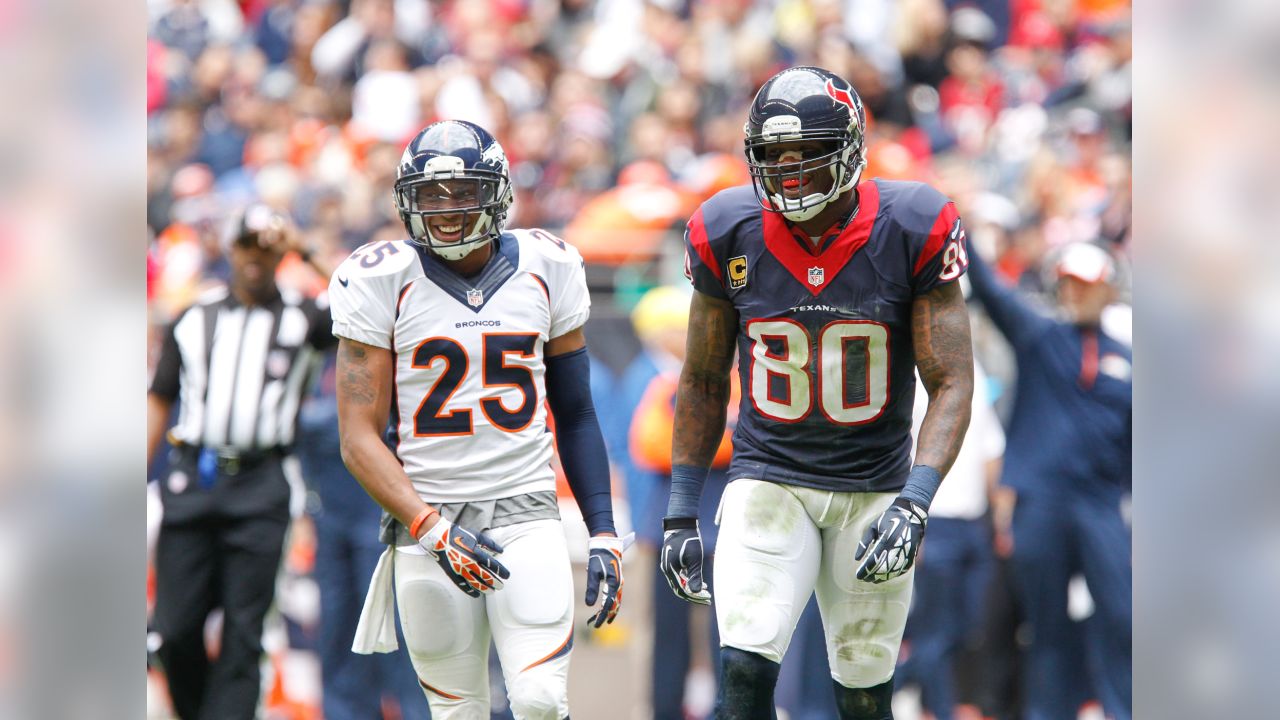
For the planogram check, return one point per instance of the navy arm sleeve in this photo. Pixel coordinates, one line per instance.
(1018, 321)
(578, 437)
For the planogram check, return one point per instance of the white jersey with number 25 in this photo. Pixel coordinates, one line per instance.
(468, 417)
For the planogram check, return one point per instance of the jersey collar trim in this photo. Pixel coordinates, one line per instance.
(815, 271)
(475, 292)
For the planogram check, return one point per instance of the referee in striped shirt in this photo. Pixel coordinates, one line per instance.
(237, 363)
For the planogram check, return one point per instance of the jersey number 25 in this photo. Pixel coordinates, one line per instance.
(432, 419)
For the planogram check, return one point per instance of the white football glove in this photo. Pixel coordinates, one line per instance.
(891, 543)
(681, 560)
(604, 566)
(467, 558)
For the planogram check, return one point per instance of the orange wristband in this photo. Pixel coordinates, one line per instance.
(416, 525)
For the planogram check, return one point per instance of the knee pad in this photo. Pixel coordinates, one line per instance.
(864, 636)
(537, 696)
(873, 703)
(746, 685)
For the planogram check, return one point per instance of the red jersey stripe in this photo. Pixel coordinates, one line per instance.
(702, 246)
(937, 236)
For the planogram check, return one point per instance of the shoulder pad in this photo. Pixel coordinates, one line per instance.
(730, 206)
(914, 206)
(376, 259)
(717, 217)
(539, 243)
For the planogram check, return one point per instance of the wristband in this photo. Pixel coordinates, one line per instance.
(686, 490)
(416, 525)
(922, 483)
(679, 523)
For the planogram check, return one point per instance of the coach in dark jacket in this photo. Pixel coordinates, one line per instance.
(237, 363)
(1068, 457)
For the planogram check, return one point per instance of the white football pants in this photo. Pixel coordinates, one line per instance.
(530, 620)
(780, 543)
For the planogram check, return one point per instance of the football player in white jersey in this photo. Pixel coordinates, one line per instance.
(454, 338)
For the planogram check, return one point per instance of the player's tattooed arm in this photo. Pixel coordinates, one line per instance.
(944, 358)
(703, 393)
(364, 379)
(355, 376)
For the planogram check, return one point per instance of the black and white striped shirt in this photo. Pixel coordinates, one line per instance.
(239, 372)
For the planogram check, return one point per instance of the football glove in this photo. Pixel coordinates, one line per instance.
(888, 548)
(604, 566)
(681, 559)
(467, 558)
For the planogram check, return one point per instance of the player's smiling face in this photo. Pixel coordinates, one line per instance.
(454, 206)
(791, 178)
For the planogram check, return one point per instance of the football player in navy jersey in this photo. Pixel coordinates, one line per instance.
(833, 290)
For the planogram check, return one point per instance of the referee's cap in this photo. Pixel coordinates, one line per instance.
(247, 227)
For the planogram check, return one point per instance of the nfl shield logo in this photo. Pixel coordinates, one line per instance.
(817, 276)
(475, 298)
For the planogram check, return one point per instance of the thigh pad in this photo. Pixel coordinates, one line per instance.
(438, 619)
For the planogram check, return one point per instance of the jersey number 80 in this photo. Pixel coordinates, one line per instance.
(852, 359)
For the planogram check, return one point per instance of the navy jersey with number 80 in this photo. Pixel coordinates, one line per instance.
(825, 354)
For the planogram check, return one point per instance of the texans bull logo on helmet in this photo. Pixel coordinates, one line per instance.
(840, 95)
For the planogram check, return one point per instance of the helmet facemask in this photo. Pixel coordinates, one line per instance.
(478, 197)
(845, 161)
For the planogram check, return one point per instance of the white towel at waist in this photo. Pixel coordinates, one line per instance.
(376, 631)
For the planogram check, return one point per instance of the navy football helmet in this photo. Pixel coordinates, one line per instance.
(805, 104)
(453, 170)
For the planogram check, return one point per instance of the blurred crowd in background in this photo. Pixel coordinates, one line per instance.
(619, 117)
